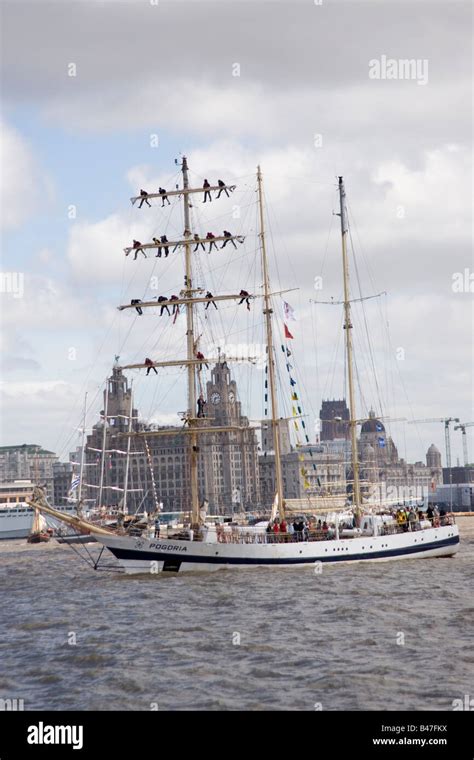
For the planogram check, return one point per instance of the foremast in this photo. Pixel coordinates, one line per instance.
(349, 347)
(268, 311)
(191, 351)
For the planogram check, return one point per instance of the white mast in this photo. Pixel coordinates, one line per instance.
(104, 437)
(190, 340)
(348, 328)
(81, 470)
(271, 361)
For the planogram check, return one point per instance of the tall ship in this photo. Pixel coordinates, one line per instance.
(358, 531)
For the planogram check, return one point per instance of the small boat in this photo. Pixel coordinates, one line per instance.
(39, 532)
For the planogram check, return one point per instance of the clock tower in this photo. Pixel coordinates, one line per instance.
(222, 404)
(230, 458)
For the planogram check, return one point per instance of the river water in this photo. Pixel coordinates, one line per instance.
(391, 636)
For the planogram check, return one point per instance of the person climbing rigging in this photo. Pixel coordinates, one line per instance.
(210, 236)
(164, 196)
(201, 404)
(222, 188)
(207, 192)
(150, 366)
(198, 242)
(157, 243)
(163, 306)
(137, 247)
(175, 305)
(245, 297)
(201, 357)
(134, 302)
(228, 237)
(144, 199)
(210, 299)
(164, 239)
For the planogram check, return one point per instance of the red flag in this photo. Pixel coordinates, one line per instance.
(287, 332)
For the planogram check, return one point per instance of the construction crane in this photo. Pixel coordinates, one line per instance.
(462, 426)
(446, 421)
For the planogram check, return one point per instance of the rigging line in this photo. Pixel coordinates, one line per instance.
(365, 322)
(329, 383)
(83, 387)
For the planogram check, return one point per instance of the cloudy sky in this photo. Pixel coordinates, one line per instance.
(100, 98)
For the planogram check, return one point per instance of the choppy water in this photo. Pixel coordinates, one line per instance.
(304, 638)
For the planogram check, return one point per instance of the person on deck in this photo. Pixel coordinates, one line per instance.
(430, 514)
(245, 297)
(175, 305)
(201, 404)
(164, 197)
(164, 306)
(134, 302)
(149, 364)
(164, 239)
(201, 357)
(210, 299)
(144, 199)
(207, 192)
(228, 237)
(210, 236)
(222, 188)
(137, 247)
(198, 243)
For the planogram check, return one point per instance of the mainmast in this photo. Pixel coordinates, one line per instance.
(349, 348)
(271, 361)
(191, 349)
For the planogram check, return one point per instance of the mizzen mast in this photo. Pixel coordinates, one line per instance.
(349, 347)
(268, 311)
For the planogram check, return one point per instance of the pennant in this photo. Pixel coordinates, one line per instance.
(287, 332)
(288, 352)
(288, 311)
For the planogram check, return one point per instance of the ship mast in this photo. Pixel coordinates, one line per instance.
(349, 347)
(190, 341)
(271, 361)
(83, 439)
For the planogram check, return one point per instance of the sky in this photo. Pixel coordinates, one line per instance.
(100, 98)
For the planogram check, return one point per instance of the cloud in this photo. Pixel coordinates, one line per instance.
(23, 185)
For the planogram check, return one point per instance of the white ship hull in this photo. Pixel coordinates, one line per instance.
(140, 555)
(16, 520)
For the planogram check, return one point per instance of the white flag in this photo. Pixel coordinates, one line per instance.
(288, 311)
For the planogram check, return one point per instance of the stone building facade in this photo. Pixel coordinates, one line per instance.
(159, 469)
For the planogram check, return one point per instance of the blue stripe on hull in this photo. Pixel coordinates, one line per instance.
(132, 554)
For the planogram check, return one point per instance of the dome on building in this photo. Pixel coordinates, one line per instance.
(372, 425)
(433, 457)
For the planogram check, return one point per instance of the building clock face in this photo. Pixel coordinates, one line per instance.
(231, 397)
(215, 397)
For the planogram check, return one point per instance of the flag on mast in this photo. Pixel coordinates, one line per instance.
(288, 312)
(287, 332)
